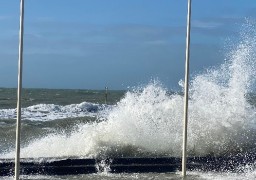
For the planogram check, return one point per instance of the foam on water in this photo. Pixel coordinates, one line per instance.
(224, 176)
(48, 112)
(148, 120)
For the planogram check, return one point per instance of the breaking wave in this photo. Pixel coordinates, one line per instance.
(47, 112)
(148, 120)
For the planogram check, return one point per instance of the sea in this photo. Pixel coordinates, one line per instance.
(144, 121)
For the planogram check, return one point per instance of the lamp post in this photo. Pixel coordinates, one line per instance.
(20, 64)
(186, 85)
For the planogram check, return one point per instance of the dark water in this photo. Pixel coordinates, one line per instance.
(8, 97)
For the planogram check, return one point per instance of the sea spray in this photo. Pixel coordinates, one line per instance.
(221, 119)
(148, 120)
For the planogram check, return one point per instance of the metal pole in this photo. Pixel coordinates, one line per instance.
(185, 122)
(17, 157)
(106, 95)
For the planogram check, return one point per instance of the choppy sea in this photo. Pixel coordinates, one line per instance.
(145, 121)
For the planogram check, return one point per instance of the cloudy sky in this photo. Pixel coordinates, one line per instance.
(90, 44)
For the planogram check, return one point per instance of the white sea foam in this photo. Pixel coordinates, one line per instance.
(148, 119)
(48, 112)
(224, 176)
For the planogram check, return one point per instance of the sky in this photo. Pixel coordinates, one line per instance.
(90, 44)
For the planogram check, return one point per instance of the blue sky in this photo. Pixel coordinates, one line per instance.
(90, 44)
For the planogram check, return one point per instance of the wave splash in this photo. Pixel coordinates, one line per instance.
(148, 120)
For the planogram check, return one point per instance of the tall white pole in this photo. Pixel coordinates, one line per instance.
(17, 157)
(185, 122)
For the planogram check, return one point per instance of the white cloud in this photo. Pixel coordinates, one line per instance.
(3, 17)
(205, 24)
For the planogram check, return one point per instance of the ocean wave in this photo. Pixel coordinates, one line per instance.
(47, 112)
(148, 120)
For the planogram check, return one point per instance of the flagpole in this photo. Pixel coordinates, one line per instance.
(185, 121)
(17, 156)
